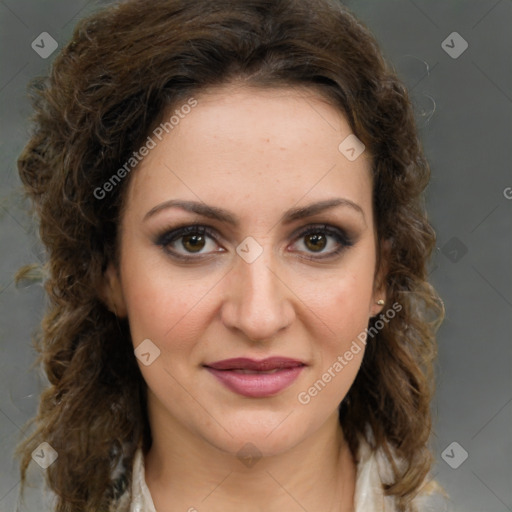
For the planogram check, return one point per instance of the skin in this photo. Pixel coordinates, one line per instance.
(256, 153)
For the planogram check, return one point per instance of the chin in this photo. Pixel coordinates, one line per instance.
(265, 436)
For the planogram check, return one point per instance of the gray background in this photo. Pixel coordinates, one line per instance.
(464, 111)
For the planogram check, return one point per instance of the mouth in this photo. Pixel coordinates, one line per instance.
(256, 379)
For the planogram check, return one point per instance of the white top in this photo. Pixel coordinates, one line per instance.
(372, 470)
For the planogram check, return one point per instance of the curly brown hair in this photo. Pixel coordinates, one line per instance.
(109, 86)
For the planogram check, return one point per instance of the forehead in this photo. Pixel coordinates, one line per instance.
(253, 147)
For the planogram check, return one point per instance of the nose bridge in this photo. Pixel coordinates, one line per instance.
(261, 305)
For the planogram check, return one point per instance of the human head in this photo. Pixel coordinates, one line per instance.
(104, 97)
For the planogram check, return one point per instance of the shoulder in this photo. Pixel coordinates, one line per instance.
(136, 497)
(374, 470)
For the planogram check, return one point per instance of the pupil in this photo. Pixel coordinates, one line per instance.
(195, 241)
(315, 242)
(316, 238)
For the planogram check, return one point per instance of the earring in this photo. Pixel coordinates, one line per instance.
(380, 302)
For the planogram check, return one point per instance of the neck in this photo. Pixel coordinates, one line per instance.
(186, 473)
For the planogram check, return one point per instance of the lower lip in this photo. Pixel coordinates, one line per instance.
(257, 385)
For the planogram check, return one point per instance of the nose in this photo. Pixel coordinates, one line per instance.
(258, 302)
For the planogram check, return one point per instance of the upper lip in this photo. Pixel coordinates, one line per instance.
(244, 363)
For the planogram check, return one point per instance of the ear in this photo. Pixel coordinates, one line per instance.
(379, 284)
(111, 292)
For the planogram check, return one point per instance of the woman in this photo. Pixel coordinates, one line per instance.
(230, 193)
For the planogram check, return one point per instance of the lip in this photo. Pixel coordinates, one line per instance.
(233, 373)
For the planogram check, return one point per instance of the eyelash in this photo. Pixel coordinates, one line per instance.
(168, 237)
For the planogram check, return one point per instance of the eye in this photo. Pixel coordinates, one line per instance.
(190, 239)
(185, 242)
(315, 239)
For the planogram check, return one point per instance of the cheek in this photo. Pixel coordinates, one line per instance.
(161, 311)
(345, 312)
(343, 301)
(339, 346)
(158, 301)
(342, 305)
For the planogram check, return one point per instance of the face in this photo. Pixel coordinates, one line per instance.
(273, 255)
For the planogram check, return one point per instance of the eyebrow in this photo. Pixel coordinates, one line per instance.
(222, 215)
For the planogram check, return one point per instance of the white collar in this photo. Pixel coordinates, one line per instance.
(373, 468)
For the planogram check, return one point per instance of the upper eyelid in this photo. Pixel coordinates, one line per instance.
(208, 229)
(212, 232)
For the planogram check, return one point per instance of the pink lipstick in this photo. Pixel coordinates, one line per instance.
(256, 379)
